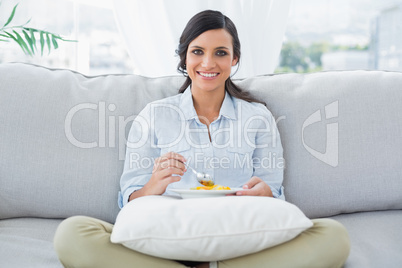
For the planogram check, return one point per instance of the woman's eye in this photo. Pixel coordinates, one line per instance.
(221, 53)
(197, 52)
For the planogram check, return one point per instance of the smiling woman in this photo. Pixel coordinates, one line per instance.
(208, 48)
(207, 52)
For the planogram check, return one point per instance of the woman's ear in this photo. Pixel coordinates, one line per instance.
(234, 61)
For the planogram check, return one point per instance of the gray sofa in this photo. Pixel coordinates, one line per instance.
(62, 143)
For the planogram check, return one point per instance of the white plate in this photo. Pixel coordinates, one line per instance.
(187, 193)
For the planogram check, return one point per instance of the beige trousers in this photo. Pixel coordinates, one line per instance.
(85, 242)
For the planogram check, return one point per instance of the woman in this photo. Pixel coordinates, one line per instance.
(216, 128)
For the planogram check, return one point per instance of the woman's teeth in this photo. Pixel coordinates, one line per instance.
(208, 74)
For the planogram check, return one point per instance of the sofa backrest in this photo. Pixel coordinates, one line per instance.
(63, 134)
(63, 138)
(342, 138)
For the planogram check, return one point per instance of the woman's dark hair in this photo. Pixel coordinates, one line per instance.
(200, 23)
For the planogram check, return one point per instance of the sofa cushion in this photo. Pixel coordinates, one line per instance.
(341, 133)
(28, 242)
(206, 229)
(375, 237)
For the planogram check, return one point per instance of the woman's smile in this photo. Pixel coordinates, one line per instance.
(208, 75)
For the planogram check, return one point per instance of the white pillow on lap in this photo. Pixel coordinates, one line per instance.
(206, 229)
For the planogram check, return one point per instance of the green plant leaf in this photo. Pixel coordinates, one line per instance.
(26, 37)
(42, 43)
(48, 41)
(32, 32)
(11, 16)
(11, 36)
(54, 41)
(27, 22)
(15, 38)
(30, 41)
(22, 43)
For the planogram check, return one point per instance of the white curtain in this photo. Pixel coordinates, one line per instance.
(152, 28)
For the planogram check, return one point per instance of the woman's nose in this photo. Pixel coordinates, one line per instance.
(208, 62)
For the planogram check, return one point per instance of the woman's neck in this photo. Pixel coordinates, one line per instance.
(208, 104)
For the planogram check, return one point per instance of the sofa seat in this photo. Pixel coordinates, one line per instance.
(375, 238)
(366, 231)
(28, 242)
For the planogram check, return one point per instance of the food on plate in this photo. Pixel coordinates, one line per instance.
(207, 182)
(213, 187)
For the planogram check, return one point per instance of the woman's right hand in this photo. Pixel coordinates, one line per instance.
(167, 169)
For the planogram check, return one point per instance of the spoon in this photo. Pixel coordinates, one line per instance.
(203, 178)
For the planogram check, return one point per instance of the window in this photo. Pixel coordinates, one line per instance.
(320, 35)
(342, 35)
(99, 49)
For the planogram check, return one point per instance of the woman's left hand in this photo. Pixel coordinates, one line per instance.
(255, 187)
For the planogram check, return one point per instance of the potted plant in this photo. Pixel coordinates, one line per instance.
(26, 37)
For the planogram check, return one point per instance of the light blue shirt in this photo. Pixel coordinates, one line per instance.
(244, 143)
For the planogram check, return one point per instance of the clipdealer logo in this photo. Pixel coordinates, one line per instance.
(331, 154)
(110, 130)
(110, 127)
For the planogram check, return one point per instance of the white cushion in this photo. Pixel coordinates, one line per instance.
(206, 229)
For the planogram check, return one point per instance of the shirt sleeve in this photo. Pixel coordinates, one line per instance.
(141, 152)
(268, 161)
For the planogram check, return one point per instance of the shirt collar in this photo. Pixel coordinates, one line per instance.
(187, 106)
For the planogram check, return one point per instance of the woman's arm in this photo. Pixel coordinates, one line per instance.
(268, 161)
(145, 171)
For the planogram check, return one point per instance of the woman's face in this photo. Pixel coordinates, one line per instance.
(210, 59)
